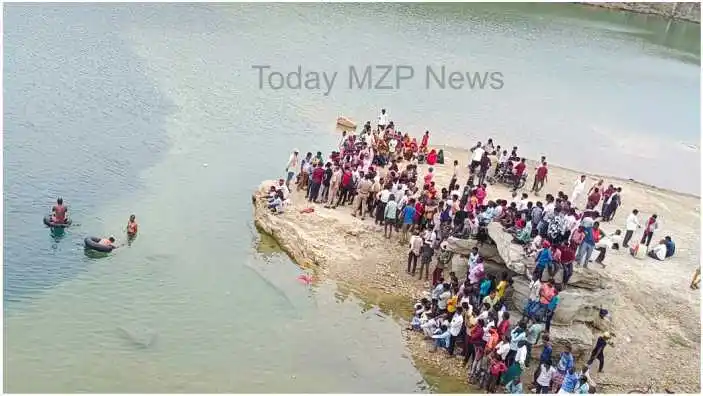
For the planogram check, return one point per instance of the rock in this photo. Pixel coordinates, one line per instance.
(576, 305)
(140, 337)
(578, 335)
(510, 253)
(513, 257)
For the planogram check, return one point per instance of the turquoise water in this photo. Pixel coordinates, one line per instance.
(155, 110)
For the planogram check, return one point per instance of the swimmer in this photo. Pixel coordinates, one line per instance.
(59, 212)
(132, 226)
(109, 242)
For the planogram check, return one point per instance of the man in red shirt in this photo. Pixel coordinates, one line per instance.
(317, 174)
(519, 170)
(568, 255)
(540, 177)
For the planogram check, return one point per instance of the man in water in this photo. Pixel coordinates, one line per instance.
(59, 212)
(109, 242)
(132, 226)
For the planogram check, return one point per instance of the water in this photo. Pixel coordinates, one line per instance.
(117, 108)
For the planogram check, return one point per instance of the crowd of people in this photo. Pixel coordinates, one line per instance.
(375, 173)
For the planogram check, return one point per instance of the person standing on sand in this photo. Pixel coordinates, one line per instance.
(408, 215)
(597, 352)
(578, 189)
(612, 205)
(390, 213)
(593, 198)
(540, 177)
(382, 120)
(334, 186)
(598, 186)
(315, 182)
(652, 225)
(414, 252)
(631, 224)
(476, 155)
(291, 167)
(363, 190)
(443, 260)
(426, 253)
(484, 167)
(519, 170)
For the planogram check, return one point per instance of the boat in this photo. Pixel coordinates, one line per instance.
(346, 122)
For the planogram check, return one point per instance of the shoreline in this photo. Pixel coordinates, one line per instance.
(342, 247)
(620, 179)
(628, 7)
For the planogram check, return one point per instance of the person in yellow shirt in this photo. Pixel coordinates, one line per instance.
(451, 304)
(502, 285)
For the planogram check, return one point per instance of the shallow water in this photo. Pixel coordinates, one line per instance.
(155, 110)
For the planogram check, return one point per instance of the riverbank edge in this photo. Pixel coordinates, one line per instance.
(397, 306)
(626, 7)
(553, 165)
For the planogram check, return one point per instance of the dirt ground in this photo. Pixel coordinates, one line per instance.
(656, 318)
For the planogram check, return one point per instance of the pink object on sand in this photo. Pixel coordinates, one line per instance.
(306, 279)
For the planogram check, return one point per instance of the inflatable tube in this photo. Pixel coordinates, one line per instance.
(94, 243)
(49, 223)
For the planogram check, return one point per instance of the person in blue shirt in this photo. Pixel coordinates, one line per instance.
(485, 287)
(670, 246)
(543, 260)
(570, 381)
(566, 360)
(514, 386)
(441, 337)
(585, 249)
(408, 215)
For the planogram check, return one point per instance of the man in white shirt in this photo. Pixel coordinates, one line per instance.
(477, 154)
(455, 328)
(291, 167)
(382, 120)
(631, 224)
(522, 203)
(579, 187)
(521, 354)
(444, 299)
(503, 348)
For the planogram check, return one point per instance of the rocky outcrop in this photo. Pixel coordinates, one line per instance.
(576, 305)
(587, 292)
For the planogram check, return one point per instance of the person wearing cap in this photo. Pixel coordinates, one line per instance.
(597, 352)
(291, 167)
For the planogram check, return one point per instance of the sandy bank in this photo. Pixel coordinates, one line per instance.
(689, 12)
(655, 314)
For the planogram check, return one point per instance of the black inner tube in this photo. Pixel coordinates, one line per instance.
(49, 223)
(94, 243)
